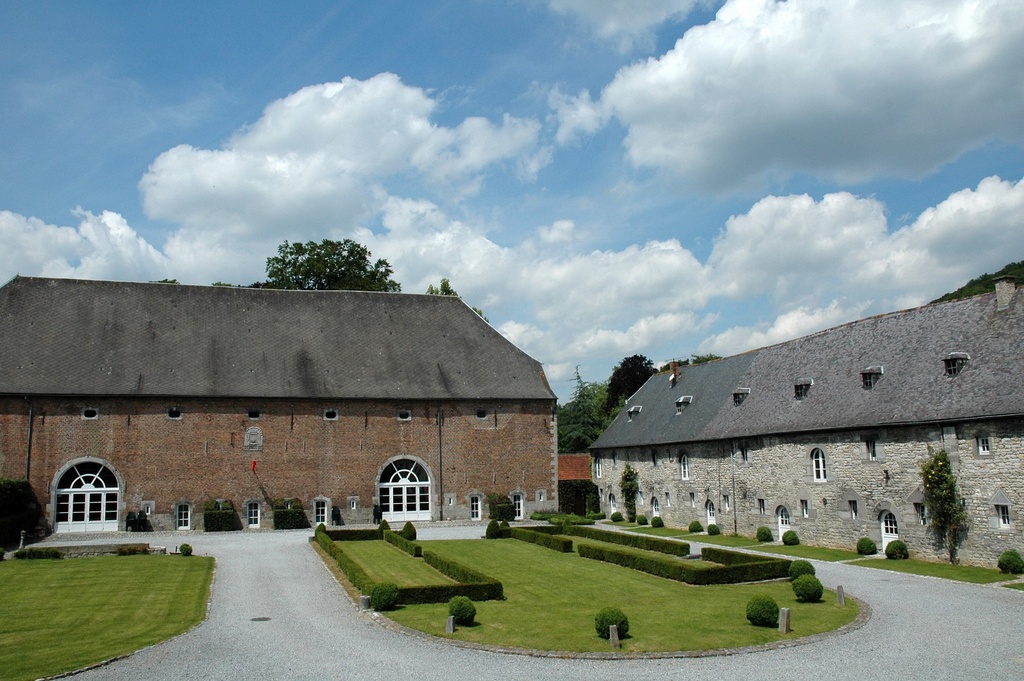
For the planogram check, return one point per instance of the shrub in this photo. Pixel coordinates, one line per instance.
(695, 527)
(500, 507)
(790, 538)
(384, 596)
(132, 549)
(616, 517)
(800, 567)
(383, 526)
(639, 541)
(896, 550)
(656, 521)
(185, 549)
(38, 554)
(763, 611)
(493, 531)
(570, 519)
(219, 516)
(866, 547)
(807, 588)
(462, 609)
(1009, 563)
(641, 519)
(609, 616)
(714, 529)
(410, 547)
(764, 534)
(595, 515)
(408, 531)
(504, 524)
(562, 544)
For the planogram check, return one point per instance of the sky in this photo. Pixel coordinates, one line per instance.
(601, 178)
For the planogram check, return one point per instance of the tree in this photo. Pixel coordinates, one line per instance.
(626, 379)
(693, 359)
(943, 501)
(328, 265)
(629, 485)
(445, 289)
(582, 419)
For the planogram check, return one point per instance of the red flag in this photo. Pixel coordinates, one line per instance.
(254, 465)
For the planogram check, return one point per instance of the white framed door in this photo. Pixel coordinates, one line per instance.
(710, 508)
(404, 491)
(87, 499)
(889, 527)
(782, 516)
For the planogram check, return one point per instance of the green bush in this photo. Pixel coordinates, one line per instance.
(501, 507)
(595, 515)
(656, 521)
(220, 516)
(410, 547)
(714, 530)
(790, 538)
(504, 524)
(866, 547)
(132, 549)
(408, 531)
(744, 568)
(384, 596)
(383, 526)
(1011, 563)
(763, 611)
(38, 554)
(609, 616)
(616, 517)
(807, 588)
(462, 609)
(896, 550)
(695, 527)
(764, 534)
(561, 544)
(288, 515)
(569, 519)
(475, 585)
(641, 519)
(352, 535)
(185, 549)
(800, 567)
(493, 531)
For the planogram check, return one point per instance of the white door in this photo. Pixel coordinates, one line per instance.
(710, 506)
(87, 499)
(890, 528)
(404, 490)
(782, 514)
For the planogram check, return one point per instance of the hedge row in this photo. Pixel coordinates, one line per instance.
(37, 554)
(682, 571)
(410, 547)
(351, 535)
(290, 519)
(489, 588)
(355, 573)
(220, 516)
(637, 541)
(548, 541)
(742, 568)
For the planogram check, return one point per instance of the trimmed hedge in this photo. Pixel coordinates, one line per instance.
(764, 534)
(637, 541)
(351, 535)
(132, 549)
(866, 547)
(290, 519)
(462, 609)
(896, 550)
(548, 541)
(500, 507)
(220, 516)
(763, 611)
(790, 538)
(38, 554)
(410, 547)
(641, 519)
(1010, 563)
(616, 517)
(800, 567)
(609, 616)
(741, 570)
(808, 588)
(493, 530)
(384, 596)
(408, 531)
(475, 585)
(656, 521)
(695, 527)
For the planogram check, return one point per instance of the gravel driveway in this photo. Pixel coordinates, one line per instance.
(921, 628)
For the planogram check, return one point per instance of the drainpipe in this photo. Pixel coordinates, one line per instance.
(28, 443)
(735, 521)
(440, 465)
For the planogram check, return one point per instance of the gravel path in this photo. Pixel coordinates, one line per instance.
(921, 628)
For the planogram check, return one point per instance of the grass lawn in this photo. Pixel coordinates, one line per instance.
(813, 552)
(61, 615)
(551, 600)
(724, 539)
(386, 563)
(959, 573)
(655, 531)
(1019, 586)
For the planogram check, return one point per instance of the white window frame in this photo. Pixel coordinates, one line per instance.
(611, 503)
(984, 445)
(319, 512)
(725, 503)
(1003, 515)
(253, 515)
(517, 505)
(921, 513)
(871, 448)
(693, 500)
(819, 469)
(853, 509)
(762, 507)
(805, 508)
(668, 499)
(597, 466)
(474, 507)
(655, 507)
(684, 466)
(183, 517)
(639, 498)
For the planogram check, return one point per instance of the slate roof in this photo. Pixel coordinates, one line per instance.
(65, 336)
(909, 346)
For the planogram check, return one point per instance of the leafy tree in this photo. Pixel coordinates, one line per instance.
(582, 419)
(693, 359)
(445, 289)
(225, 284)
(629, 485)
(943, 501)
(328, 265)
(626, 379)
(985, 283)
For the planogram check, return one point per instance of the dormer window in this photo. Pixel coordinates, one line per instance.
(869, 377)
(955, 363)
(633, 411)
(682, 402)
(802, 387)
(739, 395)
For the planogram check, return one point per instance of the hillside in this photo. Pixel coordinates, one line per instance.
(985, 283)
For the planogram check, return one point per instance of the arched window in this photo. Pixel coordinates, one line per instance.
(782, 515)
(655, 507)
(710, 508)
(611, 503)
(87, 499)
(404, 490)
(684, 466)
(818, 465)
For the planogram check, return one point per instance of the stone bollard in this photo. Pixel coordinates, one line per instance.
(784, 620)
(613, 635)
(840, 596)
(449, 627)
(22, 545)
(364, 602)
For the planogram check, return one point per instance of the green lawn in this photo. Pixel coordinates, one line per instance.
(1019, 586)
(386, 563)
(551, 600)
(724, 539)
(655, 531)
(959, 573)
(61, 615)
(812, 552)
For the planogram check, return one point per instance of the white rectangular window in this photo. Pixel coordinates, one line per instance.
(597, 466)
(984, 446)
(761, 509)
(474, 507)
(921, 511)
(615, 460)
(253, 514)
(639, 498)
(693, 500)
(805, 508)
(853, 509)
(319, 512)
(1003, 513)
(184, 517)
(684, 466)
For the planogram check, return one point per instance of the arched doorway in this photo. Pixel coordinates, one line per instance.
(782, 515)
(710, 508)
(890, 528)
(87, 499)
(404, 490)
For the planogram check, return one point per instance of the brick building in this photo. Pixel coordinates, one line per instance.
(117, 398)
(825, 434)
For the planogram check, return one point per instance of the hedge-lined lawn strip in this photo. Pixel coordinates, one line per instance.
(61, 615)
(723, 540)
(959, 573)
(551, 600)
(386, 563)
(657, 531)
(812, 552)
(695, 563)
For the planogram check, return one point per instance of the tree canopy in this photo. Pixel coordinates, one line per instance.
(582, 419)
(328, 265)
(626, 379)
(986, 283)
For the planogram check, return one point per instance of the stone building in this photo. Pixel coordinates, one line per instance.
(119, 398)
(825, 435)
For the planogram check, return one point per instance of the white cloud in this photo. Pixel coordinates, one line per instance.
(793, 324)
(841, 89)
(575, 116)
(628, 23)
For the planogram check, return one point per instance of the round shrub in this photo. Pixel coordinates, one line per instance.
(504, 523)
(383, 526)
(763, 611)
(800, 567)
(764, 534)
(384, 596)
(1009, 563)
(462, 609)
(609, 616)
(896, 550)
(616, 517)
(185, 549)
(866, 547)
(656, 521)
(714, 529)
(808, 589)
(408, 531)
(790, 538)
(695, 527)
(493, 531)
(641, 519)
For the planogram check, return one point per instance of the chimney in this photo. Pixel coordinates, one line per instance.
(1005, 288)
(674, 365)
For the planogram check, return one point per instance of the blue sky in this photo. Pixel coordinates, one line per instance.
(602, 178)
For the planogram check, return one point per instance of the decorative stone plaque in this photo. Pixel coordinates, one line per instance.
(253, 439)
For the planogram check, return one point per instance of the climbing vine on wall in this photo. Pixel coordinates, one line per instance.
(629, 486)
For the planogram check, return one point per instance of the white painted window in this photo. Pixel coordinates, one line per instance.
(725, 502)
(984, 445)
(710, 508)
(184, 517)
(611, 503)
(693, 500)
(684, 466)
(252, 513)
(853, 509)
(474, 507)
(655, 507)
(818, 465)
(597, 466)
(805, 508)
(639, 498)
(1003, 513)
(921, 511)
(319, 512)
(761, 507)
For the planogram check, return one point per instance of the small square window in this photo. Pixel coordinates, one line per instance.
(955, 363)
(668, 498)
(404, 415)
(869, 379)
(740, 395)
(1003, 514)
(174, 413)
(330, 414)
(984, 445)
(90, 413)
(871, 449)
(801, 390)
(254, 414)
